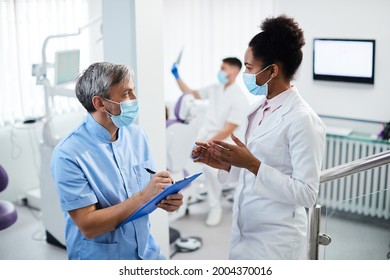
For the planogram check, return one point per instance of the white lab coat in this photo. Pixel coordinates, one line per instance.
(269, 216)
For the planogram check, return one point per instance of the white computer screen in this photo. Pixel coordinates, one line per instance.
(343, 58)
(67, 66)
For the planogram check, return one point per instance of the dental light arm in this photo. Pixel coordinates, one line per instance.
(41, 72)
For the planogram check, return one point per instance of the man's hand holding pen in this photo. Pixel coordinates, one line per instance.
(158, 182)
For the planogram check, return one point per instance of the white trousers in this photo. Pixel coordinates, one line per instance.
(214, 188)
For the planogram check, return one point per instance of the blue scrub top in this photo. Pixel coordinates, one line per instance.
(89, 169)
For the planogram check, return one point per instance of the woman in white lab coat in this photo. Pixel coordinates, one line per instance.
(276, 159)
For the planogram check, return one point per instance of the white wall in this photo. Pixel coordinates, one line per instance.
(149, 45)
(359, 19)
(133, 36)
(209, 31)
(95, 31)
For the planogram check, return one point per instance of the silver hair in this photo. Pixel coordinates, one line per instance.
(97, 80)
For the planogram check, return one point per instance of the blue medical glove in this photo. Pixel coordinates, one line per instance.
(175, 71)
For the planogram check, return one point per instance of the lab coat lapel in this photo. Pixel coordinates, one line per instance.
(246, 123)
(274, 120)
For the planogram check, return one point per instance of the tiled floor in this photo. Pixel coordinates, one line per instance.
(357, 238)
(351, 239)
(26, 240)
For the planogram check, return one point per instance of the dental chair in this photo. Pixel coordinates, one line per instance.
(8, 214)
(181, 134)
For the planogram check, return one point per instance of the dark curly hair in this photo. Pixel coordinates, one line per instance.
(280, 40)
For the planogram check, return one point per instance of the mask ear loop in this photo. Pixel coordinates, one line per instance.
(272, 71)
(268, 80)
(112, 101)
(262, 70)
(108, 113)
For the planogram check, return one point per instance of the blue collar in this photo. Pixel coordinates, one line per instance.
(98, 130)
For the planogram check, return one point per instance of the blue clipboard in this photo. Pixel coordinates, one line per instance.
(151, 205)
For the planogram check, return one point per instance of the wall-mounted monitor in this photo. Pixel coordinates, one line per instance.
(344, 60)
(67, 66)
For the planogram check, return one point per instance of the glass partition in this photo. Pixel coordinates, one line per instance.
(358, 224)
(355, 208)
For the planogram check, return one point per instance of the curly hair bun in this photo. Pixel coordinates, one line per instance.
(285, 30)
(281, 40)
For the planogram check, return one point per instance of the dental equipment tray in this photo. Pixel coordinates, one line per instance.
(151, 205)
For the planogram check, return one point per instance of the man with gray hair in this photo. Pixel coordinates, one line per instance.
(99, 172)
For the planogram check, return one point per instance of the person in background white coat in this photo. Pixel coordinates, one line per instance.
(227, 108)
(277, 159)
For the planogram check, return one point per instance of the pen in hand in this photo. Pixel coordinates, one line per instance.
(150, 171)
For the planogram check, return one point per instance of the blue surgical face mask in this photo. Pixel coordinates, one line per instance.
(250, 83)
(222, 77)
(129, 111)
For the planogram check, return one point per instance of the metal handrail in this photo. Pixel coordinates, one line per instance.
(334, 173)
(355, 166)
